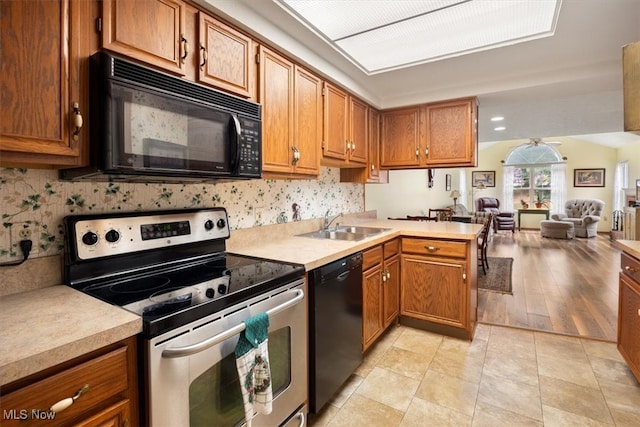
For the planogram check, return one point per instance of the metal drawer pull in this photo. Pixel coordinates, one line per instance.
(432, 248)
(639, 312)
(300, 416)
(65, 403)
(185, 48)
(631, 269)
(188, 350)
(77, 121)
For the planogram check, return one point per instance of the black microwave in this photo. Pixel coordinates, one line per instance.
(150, 126)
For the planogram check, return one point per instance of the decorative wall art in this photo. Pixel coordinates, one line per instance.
(447, 183)
(588, 177)
(488, 178)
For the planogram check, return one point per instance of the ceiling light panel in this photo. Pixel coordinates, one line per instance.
(382, 35)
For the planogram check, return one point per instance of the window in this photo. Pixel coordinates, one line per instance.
(532, 174)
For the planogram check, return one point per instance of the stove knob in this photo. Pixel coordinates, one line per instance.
(210, 293)
(112, 236)
(90, 238)
(222, 289)
(221, 223)
(208, 225)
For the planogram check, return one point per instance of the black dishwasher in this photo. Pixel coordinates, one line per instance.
(335, 327)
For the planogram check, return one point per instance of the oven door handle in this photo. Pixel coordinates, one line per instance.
(188, 350)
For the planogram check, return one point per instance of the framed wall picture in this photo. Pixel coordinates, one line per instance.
(487, 178)
(588, 177)
(447, 183)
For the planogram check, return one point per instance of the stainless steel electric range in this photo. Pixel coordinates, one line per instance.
(172, 268)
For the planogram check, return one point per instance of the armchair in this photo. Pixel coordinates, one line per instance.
(501, 220)
(584, 214)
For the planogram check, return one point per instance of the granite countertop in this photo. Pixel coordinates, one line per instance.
(632, 247)
(44, 327)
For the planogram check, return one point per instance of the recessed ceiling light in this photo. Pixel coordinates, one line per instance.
(379, 36)
(499, 128)
(497, 118)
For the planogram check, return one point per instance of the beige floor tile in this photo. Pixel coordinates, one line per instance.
(511, 395)
(621, 397)
(458, 364)
(361, 411)
(405, 362)
(574, 371)
(423, 413)
(574, 398)
(524, 367)
(346, 391)
(388, 388)
(554, 417)
(323, 418)
(482, 332)
(560, 346)
(604, 350)
(511, 341)
(492, 416)
(625, 419)
(476, 347)
(612, 370)
(418, 341)
(451, 392)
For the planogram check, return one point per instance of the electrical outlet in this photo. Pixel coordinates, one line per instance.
(23, 231)
(259, 214)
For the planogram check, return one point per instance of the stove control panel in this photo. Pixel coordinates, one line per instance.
(107, 235)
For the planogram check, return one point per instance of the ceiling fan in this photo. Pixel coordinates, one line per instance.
(534, 142)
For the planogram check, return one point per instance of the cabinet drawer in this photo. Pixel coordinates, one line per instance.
(371, 257)
(431, 247)
(105, 376)
(391, 248)
(630, 266)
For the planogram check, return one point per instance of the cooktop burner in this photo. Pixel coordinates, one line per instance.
(171, 280)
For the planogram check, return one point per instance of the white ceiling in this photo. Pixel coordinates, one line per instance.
(564, 85)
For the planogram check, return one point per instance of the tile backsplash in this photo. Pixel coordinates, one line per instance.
(34, 202)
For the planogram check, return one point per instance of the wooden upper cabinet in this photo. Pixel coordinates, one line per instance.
(226, 57)
(441, 134)
(371, 173)
(43, 82)
(152, 31)
(401, 138)
(451, 133)
(631, 85)
(345, 129)
(291, 99)
(179, 38)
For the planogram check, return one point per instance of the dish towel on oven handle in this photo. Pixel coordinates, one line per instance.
(252, 361)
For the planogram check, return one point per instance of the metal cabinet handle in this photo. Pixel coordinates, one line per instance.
(432, 248)
(426, 151)
(373, 167)
(353, 146)
(417, 153)
(204, 57)
(388, 275)
(65, 403)
(77, 121)
(631, 269)
(384, 276)
(185, 48)
(296, 155)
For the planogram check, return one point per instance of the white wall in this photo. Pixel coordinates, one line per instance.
(407, 192)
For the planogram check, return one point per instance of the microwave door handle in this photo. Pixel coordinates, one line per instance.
(238, 135)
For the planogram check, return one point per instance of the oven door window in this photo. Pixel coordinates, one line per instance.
(215, 398)
(166, 133)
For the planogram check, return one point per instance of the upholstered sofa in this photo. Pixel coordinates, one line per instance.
(584, 214)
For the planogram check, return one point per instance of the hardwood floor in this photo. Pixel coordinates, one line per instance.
(563, 286)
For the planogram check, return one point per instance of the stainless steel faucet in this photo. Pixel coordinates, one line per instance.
(327, 223)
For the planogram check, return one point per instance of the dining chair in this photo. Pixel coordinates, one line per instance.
(445, 214)
(483, 240)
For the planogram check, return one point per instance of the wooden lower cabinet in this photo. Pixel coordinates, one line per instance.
(629, 313)
(380, 290)
(102, 384)
(439, 287)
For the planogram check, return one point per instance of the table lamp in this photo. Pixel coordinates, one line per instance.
(454, 195)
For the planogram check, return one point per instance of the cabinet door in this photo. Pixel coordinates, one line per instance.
(226, 57)
(117, 415)
(152, 31)
(391, 294)
(373, 171)
(629, 323)
(451, 133)
(357, 149)
(433, 290)
(276, 96)
(371, 305)
(401, 138)
(631, 86)
(307, 135)
(41, 81)
(336, 116)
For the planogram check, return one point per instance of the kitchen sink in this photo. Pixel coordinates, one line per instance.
(344, 232)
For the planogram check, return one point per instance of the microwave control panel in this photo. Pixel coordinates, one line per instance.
(250, 163)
